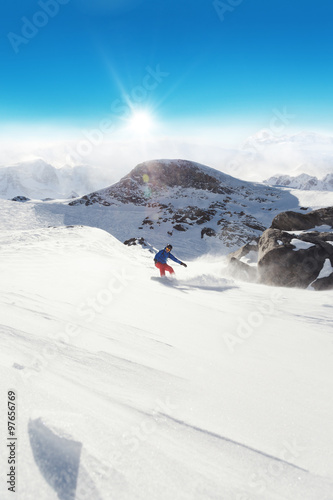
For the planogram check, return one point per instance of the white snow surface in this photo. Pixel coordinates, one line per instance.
(326, 269)
(300, 245)
(312, 199)
(131, 388)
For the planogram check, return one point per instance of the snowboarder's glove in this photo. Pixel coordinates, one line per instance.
(183, 264)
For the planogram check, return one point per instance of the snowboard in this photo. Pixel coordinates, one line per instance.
(165, 280)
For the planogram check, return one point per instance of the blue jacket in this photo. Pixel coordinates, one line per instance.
(163, 255)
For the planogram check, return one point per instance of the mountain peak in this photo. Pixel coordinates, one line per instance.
(152, 180)
(159, 174)
(167, 198)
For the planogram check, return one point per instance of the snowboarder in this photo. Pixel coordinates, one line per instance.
(160, 260)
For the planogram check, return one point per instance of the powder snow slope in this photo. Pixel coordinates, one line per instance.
(130, 388)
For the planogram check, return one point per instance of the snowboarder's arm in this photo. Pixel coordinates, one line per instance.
(174, 258)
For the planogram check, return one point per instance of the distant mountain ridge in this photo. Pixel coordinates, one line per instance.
(38, 179)
(259, 157)
(303, 181)
(160, 200)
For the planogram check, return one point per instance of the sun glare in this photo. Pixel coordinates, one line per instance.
(141, 122)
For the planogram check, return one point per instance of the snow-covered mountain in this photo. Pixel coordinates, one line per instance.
(258, 157)
(38, 180)
(302, 181)
(177, 200)
(196, 208)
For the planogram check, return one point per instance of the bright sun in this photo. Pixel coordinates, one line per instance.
(141, 122)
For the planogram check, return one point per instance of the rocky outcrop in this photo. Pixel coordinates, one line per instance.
(290, 254)
(140, 242)
(20, 198)
(208, 231)
(294, 221)
(323, 283)
(292, 260)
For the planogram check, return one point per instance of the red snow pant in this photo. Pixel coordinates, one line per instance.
(163, 268)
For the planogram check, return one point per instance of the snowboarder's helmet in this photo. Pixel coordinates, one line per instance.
(169, 246)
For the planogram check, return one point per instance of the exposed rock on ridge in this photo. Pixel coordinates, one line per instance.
(291, 254)
(294, 221)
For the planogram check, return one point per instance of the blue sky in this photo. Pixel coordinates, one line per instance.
(91, 59)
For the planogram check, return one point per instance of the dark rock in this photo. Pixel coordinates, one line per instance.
(135, 241)
(208, 231)
(180, 227)
(147, 221)
(193, 214)
(254, 225)
(20, 198)
(294, 221)
(323, 283)
(280, 264)
(140, 242)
